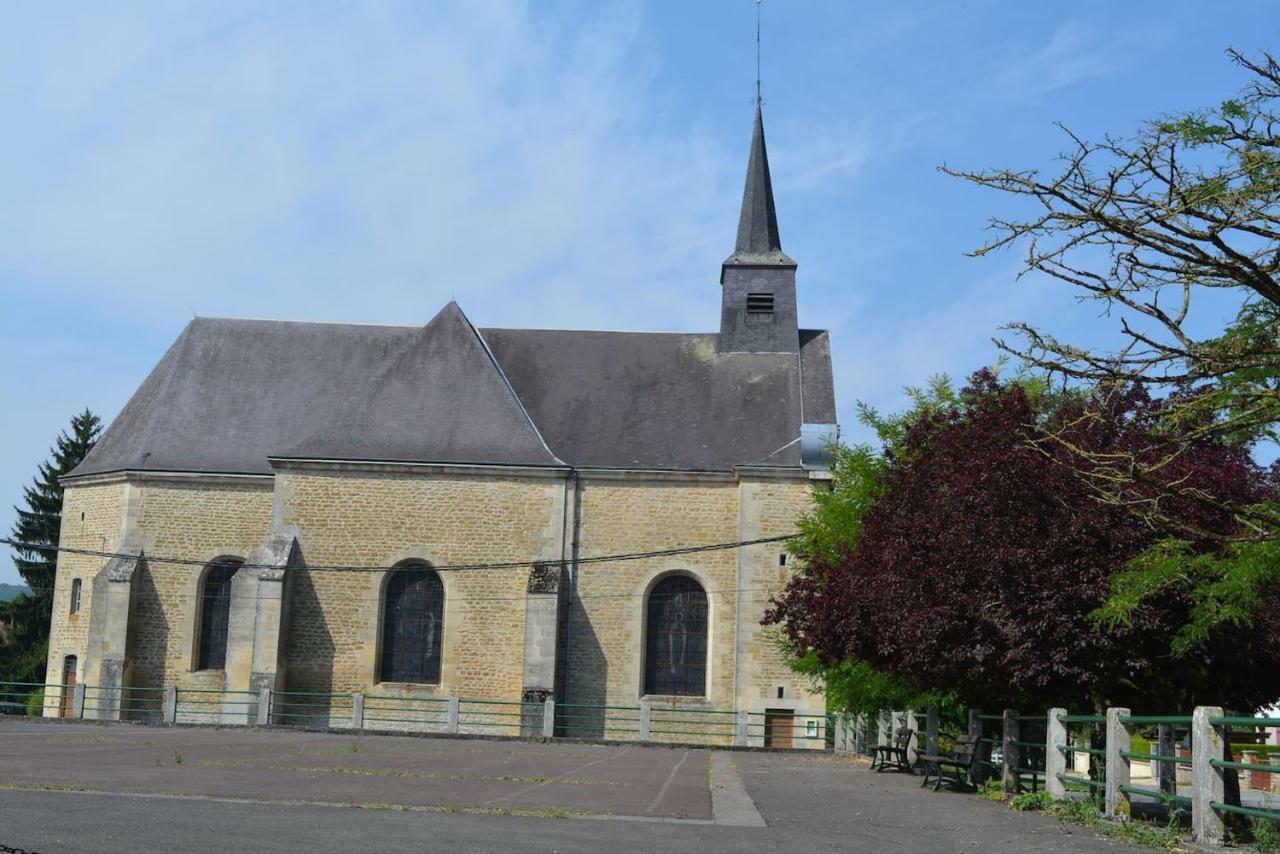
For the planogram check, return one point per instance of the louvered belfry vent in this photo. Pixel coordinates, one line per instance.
(760, 303)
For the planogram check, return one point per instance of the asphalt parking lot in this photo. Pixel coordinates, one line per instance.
(366, 770)
(106, 788)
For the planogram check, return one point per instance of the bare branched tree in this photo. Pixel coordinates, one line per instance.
(1143, 225)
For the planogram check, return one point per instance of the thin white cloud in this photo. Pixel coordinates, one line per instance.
(369, 168)
(1074, 53)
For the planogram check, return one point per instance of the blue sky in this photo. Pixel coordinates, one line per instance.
(552, 164)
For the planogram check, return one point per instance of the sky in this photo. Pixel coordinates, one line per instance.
(546, 164)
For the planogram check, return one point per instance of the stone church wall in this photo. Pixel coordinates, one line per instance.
(92, 518)
(605, 637)
(373, 519)
(381, 515)
(204, 521)
(770, 508)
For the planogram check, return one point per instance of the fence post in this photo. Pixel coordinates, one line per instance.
(1166, 772)
(264, 707)
(77, 701)
(931, 731)
(1206, 780)
(645, 717)
(913, 746)
(740, 730)
(1010, 779)
(981, 751)
(171, 704)
(1055, 761)
(451, 715)
(1116, 803)
(549, 718)
(357, 711)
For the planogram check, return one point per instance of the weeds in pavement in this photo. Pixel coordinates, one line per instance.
(991, 790)
(1031, 802)
(177, 758)
(1134, 831)
(1266, 836)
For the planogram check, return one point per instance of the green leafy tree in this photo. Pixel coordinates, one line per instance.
(27, 617)
(1146, 225)
(829, 532)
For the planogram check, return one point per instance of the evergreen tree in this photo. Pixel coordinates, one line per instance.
(24, 647)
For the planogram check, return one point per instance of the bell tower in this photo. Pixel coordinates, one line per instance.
(758, 303)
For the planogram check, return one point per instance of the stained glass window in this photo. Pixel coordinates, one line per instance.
(215, 614)
(676, 638)
(412, 626)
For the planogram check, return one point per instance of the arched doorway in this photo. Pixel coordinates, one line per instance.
(68, 686)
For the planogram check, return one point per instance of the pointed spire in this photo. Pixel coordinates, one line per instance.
(758, 240)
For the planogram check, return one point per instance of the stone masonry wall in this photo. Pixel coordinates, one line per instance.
(770, 509)
(203, 521)
(372, 519)
(92, 518)
(605, 637)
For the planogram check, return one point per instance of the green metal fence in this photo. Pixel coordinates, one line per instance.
(1225, 724)
(1085, 728)
(215, 706)
(126, 702)
(1030, 745)
(585, 720)
(1142, 724)
(397, 712)
(788, 730)
(21, 698)
(312, 709)
(499, 717)
(700, 726)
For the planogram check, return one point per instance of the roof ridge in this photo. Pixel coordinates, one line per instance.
(309, 322)
(507, 382)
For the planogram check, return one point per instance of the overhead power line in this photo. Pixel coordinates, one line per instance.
(478, 603)
(461, 567)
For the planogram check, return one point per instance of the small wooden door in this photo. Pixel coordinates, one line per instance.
(68, 685)
(778, 724)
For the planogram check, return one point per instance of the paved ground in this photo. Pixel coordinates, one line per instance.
(91, 788)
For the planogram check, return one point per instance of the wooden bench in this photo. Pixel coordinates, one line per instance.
(895, 754)
(953, 767)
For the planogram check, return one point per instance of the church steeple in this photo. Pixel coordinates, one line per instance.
(758, 281)
(758, 240)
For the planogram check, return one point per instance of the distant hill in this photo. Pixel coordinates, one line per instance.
(9, 592)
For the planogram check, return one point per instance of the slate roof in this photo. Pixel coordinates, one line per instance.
(440, 398)
(231, 393)
(759, 242)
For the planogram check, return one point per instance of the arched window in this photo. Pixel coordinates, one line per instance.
(75, 597)
(412, 626)
(215, 614)
(675, 660)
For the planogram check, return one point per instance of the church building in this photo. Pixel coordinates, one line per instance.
(444, 511)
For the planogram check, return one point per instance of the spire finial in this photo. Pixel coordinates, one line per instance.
(758, 99)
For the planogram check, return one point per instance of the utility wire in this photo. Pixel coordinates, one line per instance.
(461, 567)
(477, 603)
